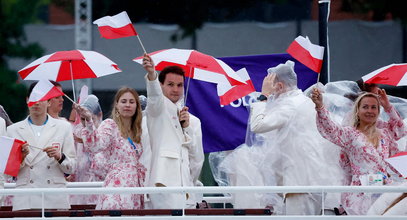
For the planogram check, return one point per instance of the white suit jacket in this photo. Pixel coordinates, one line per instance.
(177, 153)
(40, 171)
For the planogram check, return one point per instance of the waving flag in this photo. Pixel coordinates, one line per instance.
(44, 90)
(228, 93)
(118, 26)
(10, 155)
(305, 52)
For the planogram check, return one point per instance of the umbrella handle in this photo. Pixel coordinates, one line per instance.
(69, 98)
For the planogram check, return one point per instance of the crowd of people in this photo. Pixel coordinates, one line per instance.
(160, 145)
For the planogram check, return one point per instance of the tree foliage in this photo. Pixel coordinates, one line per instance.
(14, 14)
(379, 9)
(190, 15)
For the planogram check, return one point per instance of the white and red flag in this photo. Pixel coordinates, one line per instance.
(311, 55)
(117, 26)
(228, 93)
(10, 155)
(43, 91)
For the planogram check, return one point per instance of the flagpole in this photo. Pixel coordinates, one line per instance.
(141, 43)
(189, 79)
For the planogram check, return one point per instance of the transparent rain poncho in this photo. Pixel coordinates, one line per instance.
(287, 152)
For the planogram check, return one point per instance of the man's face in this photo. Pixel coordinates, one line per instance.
(39, 108)
(56, 104)
(173, 87)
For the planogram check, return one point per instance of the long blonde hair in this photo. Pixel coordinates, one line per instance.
(135, 129)
(372, 133)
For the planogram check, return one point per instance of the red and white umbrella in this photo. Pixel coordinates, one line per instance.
(196, 65)
(399, 162)
(393, 74)
(69, 65)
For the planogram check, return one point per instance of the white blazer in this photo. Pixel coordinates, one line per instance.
(40, 171)
(177, 153)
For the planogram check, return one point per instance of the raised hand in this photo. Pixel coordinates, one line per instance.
(267, 87)
(148, 65)
(316, 97)
(384, 100)
(83, 112)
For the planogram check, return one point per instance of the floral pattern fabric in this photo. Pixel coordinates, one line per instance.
(364, 157)
(122, 163)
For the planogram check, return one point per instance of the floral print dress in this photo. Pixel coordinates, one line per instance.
(122, 163)
(364, 157)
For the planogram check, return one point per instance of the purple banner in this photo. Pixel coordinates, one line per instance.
(224, 127)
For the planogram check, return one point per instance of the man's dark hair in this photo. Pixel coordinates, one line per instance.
(366, 87)
(171, 69)
(57, 84)
(30, 89)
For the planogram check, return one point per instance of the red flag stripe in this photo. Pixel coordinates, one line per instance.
(304, 56)
(14, 159)
(237, 92)
(114, 33)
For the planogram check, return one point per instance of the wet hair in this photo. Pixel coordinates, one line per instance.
(366, 87)
(373, 133)
(135, 130)
(170, 69)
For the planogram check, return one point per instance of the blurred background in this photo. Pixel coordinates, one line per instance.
(364, 35)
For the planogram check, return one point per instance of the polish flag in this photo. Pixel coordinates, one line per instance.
(118, 26)
(228, 93)
(311, 55)
(44, 90)
(10, 155)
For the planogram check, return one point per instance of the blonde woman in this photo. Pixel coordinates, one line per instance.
(368, 142)
(119, 138)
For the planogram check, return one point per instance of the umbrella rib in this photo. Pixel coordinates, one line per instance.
(73, 85)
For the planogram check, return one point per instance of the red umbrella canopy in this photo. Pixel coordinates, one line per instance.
(393, 74)
(197, 65)
(68, 65)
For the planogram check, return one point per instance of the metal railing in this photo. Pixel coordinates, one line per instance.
(94, 188)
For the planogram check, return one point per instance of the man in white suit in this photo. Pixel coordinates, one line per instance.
(175, 137)
(51, 154)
